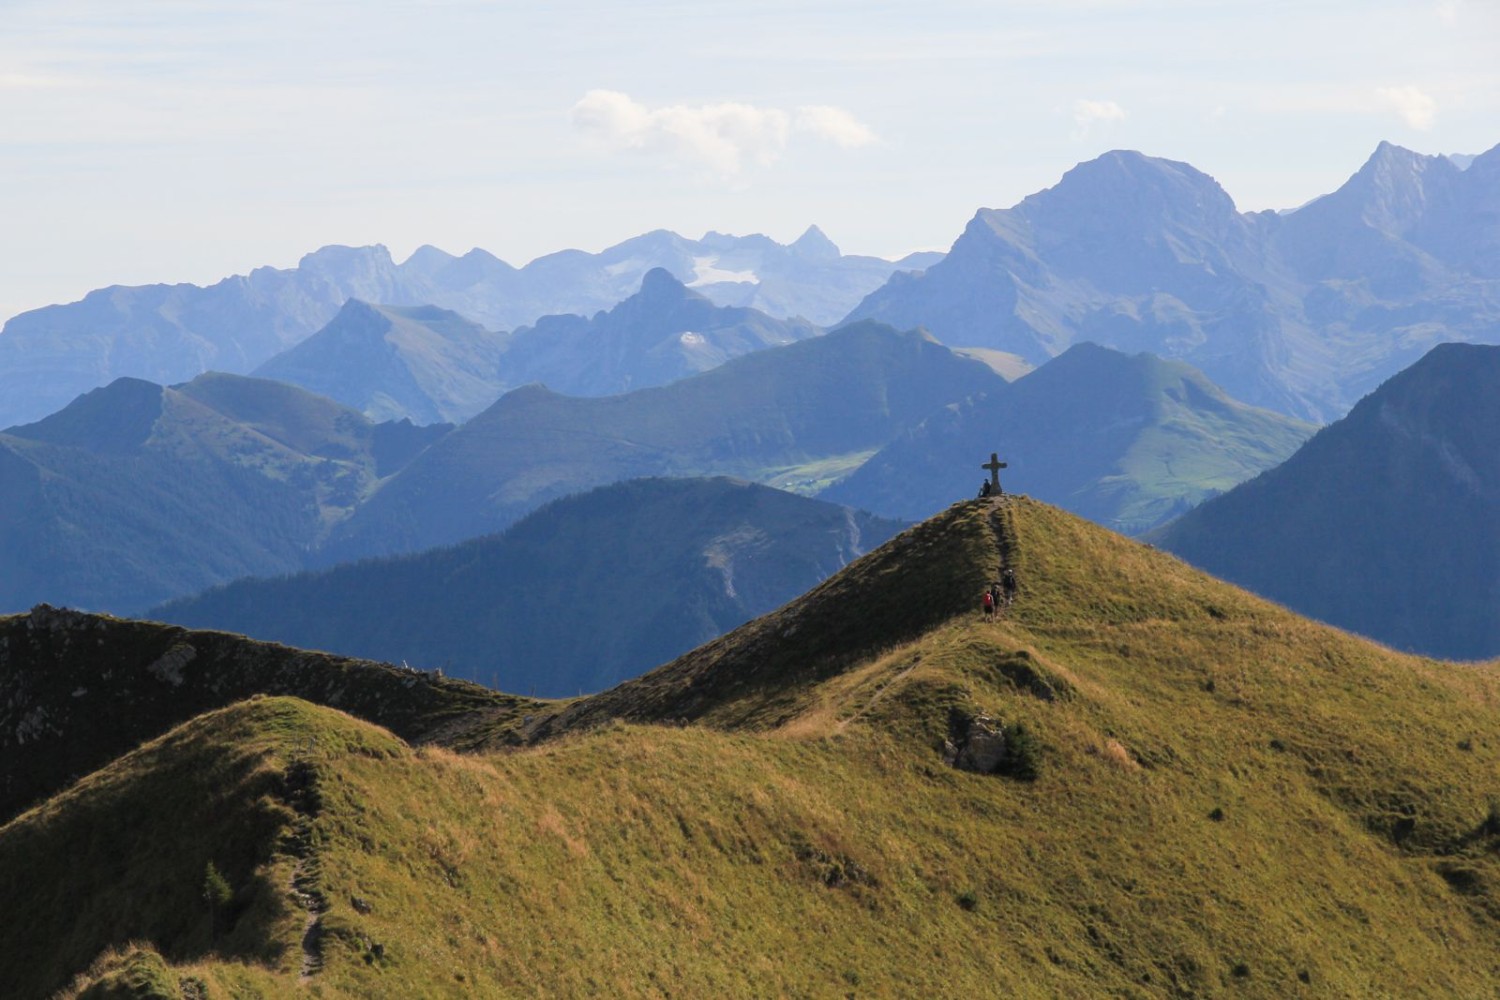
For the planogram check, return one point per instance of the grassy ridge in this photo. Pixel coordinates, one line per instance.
(1231, 800)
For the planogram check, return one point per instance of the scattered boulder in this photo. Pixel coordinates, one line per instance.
(975, 743)
(985, 745)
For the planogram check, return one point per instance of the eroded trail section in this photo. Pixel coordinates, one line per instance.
(301, 783)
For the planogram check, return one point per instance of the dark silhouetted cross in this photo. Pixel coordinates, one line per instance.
(994, 465)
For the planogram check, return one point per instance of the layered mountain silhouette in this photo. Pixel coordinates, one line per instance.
(429, 365)
(1386, 521)
(135, 493)
(418, 363)
(1303, 312)
(798, 416)
(578, 596)
(1139, 781)
(171, 333)
(1127, 441)
(662, 333)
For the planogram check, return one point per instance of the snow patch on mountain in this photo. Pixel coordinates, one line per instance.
(707, 272)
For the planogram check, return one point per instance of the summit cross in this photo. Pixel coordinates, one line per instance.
(994, 465)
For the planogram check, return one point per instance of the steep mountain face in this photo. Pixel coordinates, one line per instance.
(78, 690)
(578, 596)
(1139, 781)
(171, 333)
(136, 493)
(663, 333)
(421, 363)
(1301, 313)
(1386, 521)
(1127, 441)
(796, 417)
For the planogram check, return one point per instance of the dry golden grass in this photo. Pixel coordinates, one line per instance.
(1231, 800)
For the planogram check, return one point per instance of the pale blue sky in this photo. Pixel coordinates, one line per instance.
(167, 140)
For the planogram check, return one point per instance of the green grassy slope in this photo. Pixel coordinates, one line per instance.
(1229, 800)
(78, 690)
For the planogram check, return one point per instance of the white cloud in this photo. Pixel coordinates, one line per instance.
(1087, 113)
(722, 137)
(1413, 105)
(30, 81)
(835, 125)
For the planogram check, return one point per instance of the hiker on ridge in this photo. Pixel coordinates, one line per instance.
(989, 604)
(1009, 580)
(984, 489)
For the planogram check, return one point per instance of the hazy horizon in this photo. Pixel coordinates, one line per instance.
(173, 142)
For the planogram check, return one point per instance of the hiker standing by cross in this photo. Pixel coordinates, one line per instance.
(994, 465)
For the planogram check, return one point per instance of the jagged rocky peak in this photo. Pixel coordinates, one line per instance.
(815, 245)
(1396, 187)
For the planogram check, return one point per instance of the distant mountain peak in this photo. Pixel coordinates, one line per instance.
(1127, 171)
(115, 418)
(659, 280)
(815, 245)
(337, 255)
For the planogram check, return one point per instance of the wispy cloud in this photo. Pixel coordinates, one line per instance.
(834, 124)
(1412, 104)
(1087, 114)
(723, 137)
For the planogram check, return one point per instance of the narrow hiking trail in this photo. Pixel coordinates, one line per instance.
(305, 883)
(1005, 548)
(1003, 527)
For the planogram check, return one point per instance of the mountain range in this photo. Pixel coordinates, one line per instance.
(1387, 522)
(1140, 781)
(172, 333)
(417, 363)
(797, 416)
(1302, 312)
(135, 493)
(588, 591)
(429, 365)
(1126, 441)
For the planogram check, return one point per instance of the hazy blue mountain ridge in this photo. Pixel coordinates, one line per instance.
(579, 595)
(1124, 440)
(798, 416)
(1384, 522)
(136, 493)
(171, 333)
(419, 363)
(662, 333)
(1302, 312)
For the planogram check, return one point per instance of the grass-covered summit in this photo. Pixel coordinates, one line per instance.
(1198, 794)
